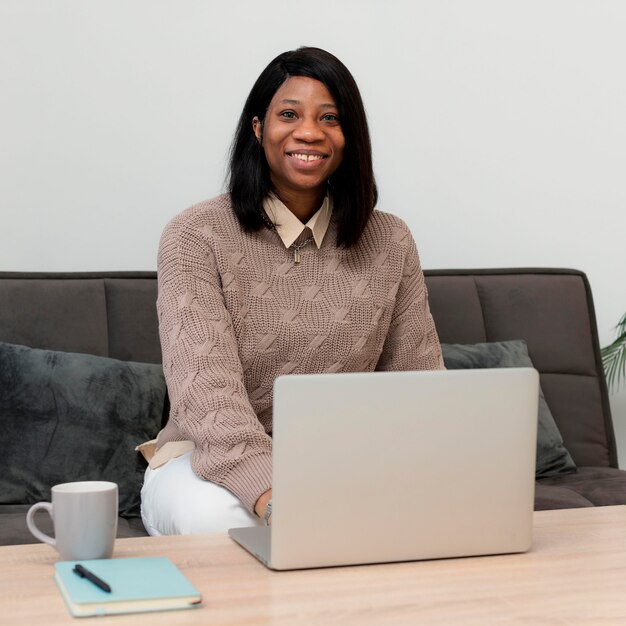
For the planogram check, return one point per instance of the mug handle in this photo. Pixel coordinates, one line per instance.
(30, 522)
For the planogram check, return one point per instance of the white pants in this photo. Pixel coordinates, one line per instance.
(174, 501)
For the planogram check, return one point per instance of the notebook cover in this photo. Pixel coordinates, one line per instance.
(137, 585)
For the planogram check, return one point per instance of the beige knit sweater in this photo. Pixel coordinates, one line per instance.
(235, 312)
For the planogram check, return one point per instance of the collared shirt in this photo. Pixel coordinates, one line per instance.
(289, 227)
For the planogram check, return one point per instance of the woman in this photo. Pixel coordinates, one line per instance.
(291, 272)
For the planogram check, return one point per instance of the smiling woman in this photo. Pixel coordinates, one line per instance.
(303, 143)
(291, 272)
(352, 181)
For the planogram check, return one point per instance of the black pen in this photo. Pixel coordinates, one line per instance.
(85, 573)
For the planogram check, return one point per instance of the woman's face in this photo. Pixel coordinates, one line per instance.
(301, 136)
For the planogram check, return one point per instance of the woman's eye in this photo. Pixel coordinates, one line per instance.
(290, 115)
(330, 117)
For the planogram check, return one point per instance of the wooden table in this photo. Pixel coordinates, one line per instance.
(575, 574)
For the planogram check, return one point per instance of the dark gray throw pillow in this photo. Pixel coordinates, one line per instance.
(552, 456)
(66, 417)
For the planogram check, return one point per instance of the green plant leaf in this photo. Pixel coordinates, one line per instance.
(614, 356)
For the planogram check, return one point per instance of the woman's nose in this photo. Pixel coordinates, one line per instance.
(308, 130)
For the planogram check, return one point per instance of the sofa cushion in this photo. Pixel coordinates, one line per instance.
(552, 456)
(548, 497)
(600, 486)
(67, 417)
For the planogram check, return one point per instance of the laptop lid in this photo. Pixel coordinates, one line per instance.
(395, 466)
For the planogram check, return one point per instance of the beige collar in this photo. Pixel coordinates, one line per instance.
(289, 227)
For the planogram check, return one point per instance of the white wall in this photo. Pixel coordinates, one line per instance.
(499, 127)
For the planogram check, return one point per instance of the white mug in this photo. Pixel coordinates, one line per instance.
(84, 515)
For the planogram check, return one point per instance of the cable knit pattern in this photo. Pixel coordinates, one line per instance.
(235, 312)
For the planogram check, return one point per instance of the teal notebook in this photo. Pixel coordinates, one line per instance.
(137, 585)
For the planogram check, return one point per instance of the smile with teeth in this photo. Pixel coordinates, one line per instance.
(306, 157)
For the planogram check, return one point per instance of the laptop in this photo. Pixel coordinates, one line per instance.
(399, 466)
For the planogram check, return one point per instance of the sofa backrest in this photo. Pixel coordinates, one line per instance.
(113, 314)
(552, 310)
(107, 314)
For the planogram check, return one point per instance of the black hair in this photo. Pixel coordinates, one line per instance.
(352, 185)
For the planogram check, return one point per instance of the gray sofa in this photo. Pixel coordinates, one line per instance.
(113, 315)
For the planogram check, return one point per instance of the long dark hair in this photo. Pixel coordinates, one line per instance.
(352, 186)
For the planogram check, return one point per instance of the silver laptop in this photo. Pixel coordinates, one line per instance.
(399, 466)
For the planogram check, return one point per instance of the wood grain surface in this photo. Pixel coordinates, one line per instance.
(575, 574)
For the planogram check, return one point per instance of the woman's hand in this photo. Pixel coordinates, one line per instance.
(261, 504)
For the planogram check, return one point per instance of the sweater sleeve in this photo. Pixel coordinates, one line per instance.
(412, 342)
(209, 401)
